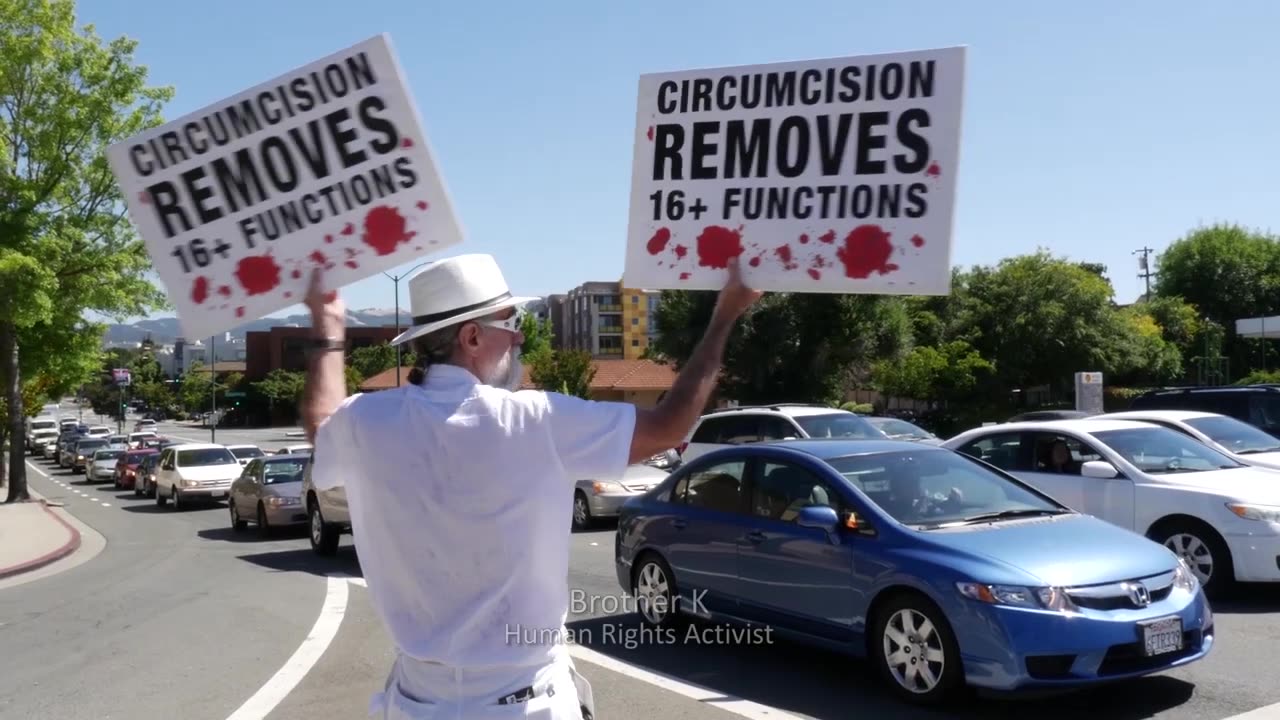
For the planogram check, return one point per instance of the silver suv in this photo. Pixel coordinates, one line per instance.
(764, 423)
(327, 514)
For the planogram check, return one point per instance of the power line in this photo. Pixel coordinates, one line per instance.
(1144, 263)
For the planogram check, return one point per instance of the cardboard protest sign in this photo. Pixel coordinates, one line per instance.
(325, 166)
(833, 175)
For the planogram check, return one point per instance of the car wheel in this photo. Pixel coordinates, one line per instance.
(581, 511)
(324, 537)
(160, 499)
(1203, 550)
(176, 497)
(915, 651)
(236, 522)
(654, 588)
(263, 528)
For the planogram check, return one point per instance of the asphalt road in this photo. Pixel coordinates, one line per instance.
(181, 617)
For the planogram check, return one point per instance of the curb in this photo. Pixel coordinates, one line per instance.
(70, 546)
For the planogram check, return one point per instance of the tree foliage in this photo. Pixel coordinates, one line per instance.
(565, 371)
(65, 244)
(370, 360)
(283, 388)
(952, 371)
(537, 336)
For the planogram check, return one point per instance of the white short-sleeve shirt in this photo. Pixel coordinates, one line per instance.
(461, 499)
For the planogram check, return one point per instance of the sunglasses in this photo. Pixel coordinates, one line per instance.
(511, 324)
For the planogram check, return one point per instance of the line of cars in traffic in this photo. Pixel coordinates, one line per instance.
(1051, 553)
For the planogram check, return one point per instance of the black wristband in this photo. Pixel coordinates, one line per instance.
(326, 344)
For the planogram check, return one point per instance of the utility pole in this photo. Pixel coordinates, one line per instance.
(213, 389)
(395, 279)
(1144, 263)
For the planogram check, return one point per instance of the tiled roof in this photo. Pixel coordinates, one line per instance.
(610, 375)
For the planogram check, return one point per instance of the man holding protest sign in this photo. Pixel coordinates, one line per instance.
(460, 490)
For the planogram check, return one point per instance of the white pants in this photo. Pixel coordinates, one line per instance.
(429, 691)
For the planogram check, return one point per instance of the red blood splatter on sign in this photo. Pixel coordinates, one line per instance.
(650, 133)
(224, 290)
(407, 142)
(718, 245)
(819, 261)
(828, 237)
(815, 274)
(680, 251)
(258, 274)
(917, 241)
(349, 229)
(866, 250)
(296, 274)
(351, 264)
(318, 258)
(240, 311)
(384, 230)
(351, 252)
(784, 254)
(658, 242)
(328, 238)
(288, 295)
(754, 262)
(200, 290)
(329, 266)
(422, 205)
(933, 170)
(144, 197)
(804, 239)
(684, 276)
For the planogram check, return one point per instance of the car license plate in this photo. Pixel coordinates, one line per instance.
(1160, 637)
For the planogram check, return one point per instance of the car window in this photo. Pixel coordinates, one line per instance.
(776, 428)
(717, 487)
(1238, 437)
(999, 449)
(785, 489)
(1061, 454)
(1159, 451)
(895, 428)
(107, 454)
(247, 452)
(837, 425)
(279, 471)
(936, 487)
(205, 456)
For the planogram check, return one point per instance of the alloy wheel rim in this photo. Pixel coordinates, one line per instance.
(1195, 552)
(316, 526)
(654, 593)
(579, 511)
(913, 651)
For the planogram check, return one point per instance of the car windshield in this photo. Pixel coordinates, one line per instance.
(938, 488)
(1159, 451)
(896, 428)
(205, 456)
(83, 446)
(43, 425)
(134, 458)
(247, 452)
(107, 455)
(837, 425)
(283, 471)
(1239, 437)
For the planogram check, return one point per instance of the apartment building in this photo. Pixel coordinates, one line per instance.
(604, 318)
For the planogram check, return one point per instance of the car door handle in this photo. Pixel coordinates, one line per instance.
(755, 536)
(679, 523)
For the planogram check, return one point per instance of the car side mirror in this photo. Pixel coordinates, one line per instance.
(1099, 469)
(821, 517)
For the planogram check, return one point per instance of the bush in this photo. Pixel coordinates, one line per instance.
(859, 408)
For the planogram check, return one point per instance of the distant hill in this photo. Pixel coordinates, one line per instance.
(165, 330)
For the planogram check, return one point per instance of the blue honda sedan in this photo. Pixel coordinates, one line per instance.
(943, 570)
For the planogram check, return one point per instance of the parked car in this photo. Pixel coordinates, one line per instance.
(1039, 415)
(1219, 514)
(327, 514)
(102, 465)
(735, 426)
(1236, 438)
(269, 493)
(899, 429)
(298, 449)
(597, 499)
(195, 471)
(127, 468)
(245, 453)
(938, 567)
(1258, 405)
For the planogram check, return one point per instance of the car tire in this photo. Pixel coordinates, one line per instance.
(653, 585)
(176, 497)
(915, 651)
(1203, 549)
(160, 498)
(237, 523)
(264, 529)
(323, 536)
(581, 511)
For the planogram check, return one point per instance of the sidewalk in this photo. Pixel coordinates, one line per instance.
(32, 536)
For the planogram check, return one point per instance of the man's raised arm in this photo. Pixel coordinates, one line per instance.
(326, 385)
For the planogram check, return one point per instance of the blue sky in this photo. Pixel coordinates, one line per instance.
(1090, 128)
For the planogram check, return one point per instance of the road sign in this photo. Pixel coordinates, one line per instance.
(235, 394)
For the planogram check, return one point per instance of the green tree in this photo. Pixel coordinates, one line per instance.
(537, 336)
(953, 371)
(196, 389)
(373, 359)
(789, 347)
(566, 371)
(282, 389)
(1143, 356)
(65, 245)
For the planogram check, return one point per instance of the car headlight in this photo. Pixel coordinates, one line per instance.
(1184, 578)
(599, 487)
(282, 501)
(1263, 513)
(1040, 598)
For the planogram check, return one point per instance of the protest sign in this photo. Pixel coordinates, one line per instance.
(325, 166)
(834, 175)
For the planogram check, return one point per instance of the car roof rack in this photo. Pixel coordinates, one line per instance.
(774, 406)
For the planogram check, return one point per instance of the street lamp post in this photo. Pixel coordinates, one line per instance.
(395, 279)
(213, 389)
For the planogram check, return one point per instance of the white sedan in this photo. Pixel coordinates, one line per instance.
(1236, 438)
(1219, 514)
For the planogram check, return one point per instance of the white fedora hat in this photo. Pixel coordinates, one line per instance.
(454, 290)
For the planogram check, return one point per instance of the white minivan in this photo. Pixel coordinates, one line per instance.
(195, 471)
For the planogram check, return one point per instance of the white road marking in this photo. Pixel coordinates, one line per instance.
(712, 698)
(106, 504)
(594, 544)
(1269, 712)
(303, 659)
